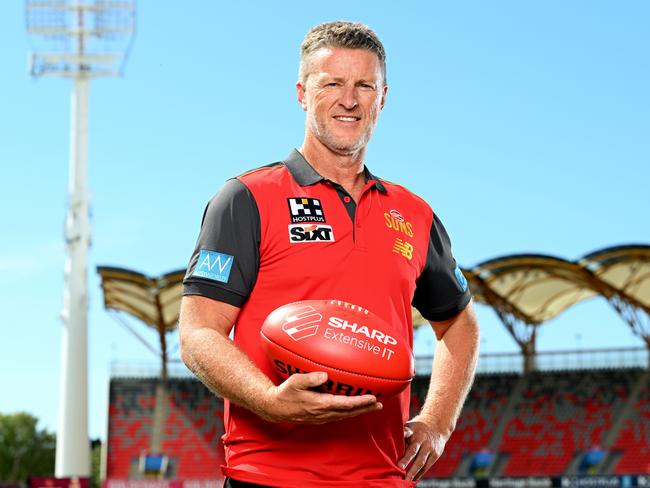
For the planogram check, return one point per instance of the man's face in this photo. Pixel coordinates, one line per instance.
(343, 95)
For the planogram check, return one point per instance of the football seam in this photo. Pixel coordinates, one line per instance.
(332, 367)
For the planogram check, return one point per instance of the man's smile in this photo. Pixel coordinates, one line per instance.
(347, 118)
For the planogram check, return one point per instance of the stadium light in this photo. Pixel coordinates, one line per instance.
(80, 40)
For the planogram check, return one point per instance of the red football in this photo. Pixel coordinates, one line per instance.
(358, 350)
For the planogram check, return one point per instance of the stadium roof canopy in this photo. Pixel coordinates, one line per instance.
(536, 287)
(525, 290)
(155, 301)
(626, 268)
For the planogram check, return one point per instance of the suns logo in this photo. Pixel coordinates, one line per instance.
(395, 221)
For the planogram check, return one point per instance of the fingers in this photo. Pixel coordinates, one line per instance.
(306, 380)
(304, 405)
(420, 465)
(340, 402)
(334, 415)
(423, 448)
(328, 415)
(337, 407)
(411, 452)
(419, 460)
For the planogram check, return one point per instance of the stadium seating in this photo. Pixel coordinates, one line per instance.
(561, 414)
(193, 428)
(129, 425)
(551, 422)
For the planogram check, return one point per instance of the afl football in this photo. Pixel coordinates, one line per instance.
(360, 352)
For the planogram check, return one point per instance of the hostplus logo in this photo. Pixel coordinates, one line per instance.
(305, 210)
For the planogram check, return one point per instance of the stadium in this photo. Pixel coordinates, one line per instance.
(523, 125)
(576, 418)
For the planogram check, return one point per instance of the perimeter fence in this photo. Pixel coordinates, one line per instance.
(507, 362)
(513, 362)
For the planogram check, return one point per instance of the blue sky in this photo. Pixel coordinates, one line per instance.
(526, 125)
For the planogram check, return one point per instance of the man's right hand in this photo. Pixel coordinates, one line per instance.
(294, 401)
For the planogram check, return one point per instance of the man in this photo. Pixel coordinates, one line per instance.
(319, 225)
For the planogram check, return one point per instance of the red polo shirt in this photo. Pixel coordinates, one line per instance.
(284, 233)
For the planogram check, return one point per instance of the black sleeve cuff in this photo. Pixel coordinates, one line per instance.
(438, 315)
(212, 290)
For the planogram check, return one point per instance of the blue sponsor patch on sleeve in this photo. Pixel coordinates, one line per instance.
(214, 265)
(462, 281)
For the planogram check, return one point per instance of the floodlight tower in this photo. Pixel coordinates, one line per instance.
(79, 40)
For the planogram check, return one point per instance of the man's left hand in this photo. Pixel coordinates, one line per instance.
(423, 448)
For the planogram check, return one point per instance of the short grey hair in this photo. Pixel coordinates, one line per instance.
(352, 35)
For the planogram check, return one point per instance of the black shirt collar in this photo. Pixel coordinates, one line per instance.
(305, 175)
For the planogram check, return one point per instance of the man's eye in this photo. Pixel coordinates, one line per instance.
(333, 83)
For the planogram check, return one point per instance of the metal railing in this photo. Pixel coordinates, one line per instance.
(507, 362)
(143, 369)
(512, 362)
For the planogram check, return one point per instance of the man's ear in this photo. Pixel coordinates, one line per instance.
(301, 94)
(383, 96)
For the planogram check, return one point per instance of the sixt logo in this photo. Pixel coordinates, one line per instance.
(310, 233)
(302, 322)
(395, 221)
(375, 334)
(213, 266)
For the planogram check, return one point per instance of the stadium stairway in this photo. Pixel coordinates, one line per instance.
(627, 413)
(160, 413)
(497, 436)
(631, 444)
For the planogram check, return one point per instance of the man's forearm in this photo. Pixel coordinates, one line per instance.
(206, 349)
(225, 369)
(452, 375)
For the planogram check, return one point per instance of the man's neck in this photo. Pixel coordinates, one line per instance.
(346, 170)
